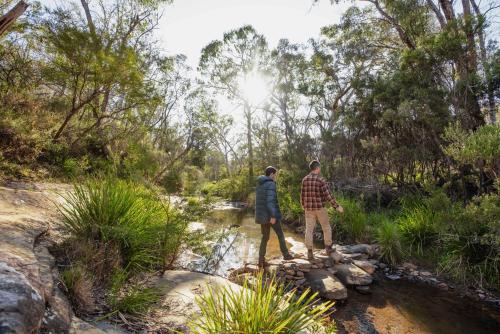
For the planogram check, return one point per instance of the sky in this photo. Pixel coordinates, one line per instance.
(189, 25)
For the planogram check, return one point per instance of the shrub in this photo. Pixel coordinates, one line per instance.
(353, 222)
(117, 229)
(471, 251)
(388, 237)
(235, 188)
(78, 286)
(418, 227)
(267, 309)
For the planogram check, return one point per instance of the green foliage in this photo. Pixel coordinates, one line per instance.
(78, 285)
(353, 223)
(235, 188)
(147, 232)
(266, 309)
(134, 300)
(388, 237)
(471, 251)
(418, 228)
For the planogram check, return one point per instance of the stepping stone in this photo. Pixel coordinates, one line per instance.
(365, 265)
(360, 248)
(354, 256)
(275, 262)
(327, 285)
(351, 274)
(301, 263)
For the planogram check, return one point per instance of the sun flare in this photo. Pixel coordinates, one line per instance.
(254, 88)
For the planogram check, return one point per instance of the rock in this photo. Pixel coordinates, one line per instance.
(327, 285)
(443, 286)
(22, 307)
(382, 265)
(272, 269)
(360, 248)
(352, 275)
(290, 272)
(425, 273)
(302, 263)
(363, 289)
(320, 265)
(409, 266)
(375, 262)
(393, 277)
(275, 262)
(252, 268)
(331, 271)
(300, 282)
(365, 265)
(289, 277)
(299, 274)
(336, 257)
(354, 256)
(179, 289)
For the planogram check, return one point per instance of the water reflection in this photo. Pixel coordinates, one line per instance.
(237, 243)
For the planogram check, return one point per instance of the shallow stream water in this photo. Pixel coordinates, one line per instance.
(393, 306)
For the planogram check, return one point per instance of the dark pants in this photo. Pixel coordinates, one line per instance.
(266, 231)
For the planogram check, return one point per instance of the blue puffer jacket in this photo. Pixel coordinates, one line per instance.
(266, 200)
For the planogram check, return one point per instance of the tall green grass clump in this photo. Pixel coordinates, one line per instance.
(471, 250)
(388, 236)
(266, 309)
(117, 229)
(418, 225)
(353, 223)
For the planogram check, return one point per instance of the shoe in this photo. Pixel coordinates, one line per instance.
(329, 250)
(310, 254)
(288, 257)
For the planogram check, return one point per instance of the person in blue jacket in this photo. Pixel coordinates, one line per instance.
(267, 213)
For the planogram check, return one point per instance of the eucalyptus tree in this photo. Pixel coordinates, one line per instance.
(98, 67)
(226, 65)
(287, 65)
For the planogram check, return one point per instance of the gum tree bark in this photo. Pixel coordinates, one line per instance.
(12, 15)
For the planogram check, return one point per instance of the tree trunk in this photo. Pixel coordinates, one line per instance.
(248, 115)
(486, 67)
(8, 19)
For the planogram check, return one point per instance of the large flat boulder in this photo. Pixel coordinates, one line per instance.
(179, 289)
(351, 274)
(326, 284)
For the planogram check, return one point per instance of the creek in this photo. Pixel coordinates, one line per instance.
(392, 307)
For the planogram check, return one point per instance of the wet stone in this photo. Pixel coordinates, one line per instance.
(365, 265)
(352, 275)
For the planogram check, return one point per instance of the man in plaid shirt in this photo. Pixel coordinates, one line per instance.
(314, 194)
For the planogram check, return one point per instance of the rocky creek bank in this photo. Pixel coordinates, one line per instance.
(349, 266)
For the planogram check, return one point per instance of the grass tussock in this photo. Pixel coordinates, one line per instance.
(118, 229)
(388, 236)
(78, 285)
(266, 309)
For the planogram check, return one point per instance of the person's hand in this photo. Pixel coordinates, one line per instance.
(273, 221)
(340, 209)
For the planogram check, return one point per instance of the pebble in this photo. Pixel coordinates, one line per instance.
(393, 277)
(382, 265)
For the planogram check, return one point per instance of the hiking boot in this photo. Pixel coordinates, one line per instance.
(288, 257)
(310, 254)
(329, 250)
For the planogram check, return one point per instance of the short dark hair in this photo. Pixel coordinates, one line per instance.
(314, 164)
(270, 170)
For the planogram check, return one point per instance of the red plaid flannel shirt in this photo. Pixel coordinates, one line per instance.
(315, 192)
